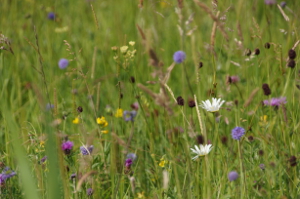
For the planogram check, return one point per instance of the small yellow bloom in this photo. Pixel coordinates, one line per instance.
(140, 195)
(102, 121)
(76, 120)
(104, 131)
(162, 162)
(131, 43)
(42, 143)
(119, 113)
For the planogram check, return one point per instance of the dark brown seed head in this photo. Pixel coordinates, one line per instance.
(200, 139)
(200, 64)
(267, 45)
(261, 152)
(132, 79)
(248, 52)
(180, 101)
(266, 89)
(250, 138)
(256, 51)
(224, 140)
(292, 63)
(79, 109)
(293, 161)
(191, 103)
(292, 54)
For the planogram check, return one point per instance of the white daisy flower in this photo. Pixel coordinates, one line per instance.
(202, 151)
(214, 106)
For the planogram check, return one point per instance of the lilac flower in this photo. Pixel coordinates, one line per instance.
(234, 79)
(132, 156)
(270, 2)
(89, 191)
(179, 57)
(237, 133)
(128, 163)
(233, 175)
(129, 115)
(51, 15)
(67, 147)
(276, 102)
(86, 150)
(73, 176)
(63, 63)
(49, 106)
(262, 166)
(283, 4)
(6, 174)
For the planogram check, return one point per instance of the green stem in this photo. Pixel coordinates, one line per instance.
(241, 170)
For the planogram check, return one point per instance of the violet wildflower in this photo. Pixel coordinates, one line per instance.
(233, 175)
(86, 150)
(89, 191)
(73, 176)
(67, 147)
(49, 106)
(276, 102)
(128, 162)
(270, 2)
(129, 115)
(131, 156)
(43, 160)
(262, 166)
(6, 174)
(179, 57)
(63, 63)
(51, 16)
(283, 4)
(237, 132)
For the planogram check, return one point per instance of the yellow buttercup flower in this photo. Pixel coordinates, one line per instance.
(102, 121)
(162, 162)
(104, 131)
(119, 113)
(76, 120)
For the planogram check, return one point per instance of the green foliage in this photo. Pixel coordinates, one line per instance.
(101, 78)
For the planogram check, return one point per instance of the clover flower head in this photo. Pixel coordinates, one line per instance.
(276, 102)
(89, 191)
(128, 162)
(63, 63)
(179, 57)
(237, 132)
(213, 106)
(202, 151)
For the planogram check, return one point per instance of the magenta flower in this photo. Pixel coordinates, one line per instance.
(67, 147)
(276, 102)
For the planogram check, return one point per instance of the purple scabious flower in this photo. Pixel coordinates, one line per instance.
(233, 175)
(67, 147)
(132, 156)
(128, 162)
(270, 2)
(89, 191)
(237, 132)
(129, 115)
(51, 16)
(283, 4)
(63, 63)
(275, 101)
(179, 57)
(86, 150)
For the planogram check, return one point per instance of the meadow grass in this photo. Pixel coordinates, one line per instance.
(120, 58)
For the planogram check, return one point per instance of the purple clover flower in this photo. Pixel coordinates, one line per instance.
(86, 150)
(129, 115)
(179, 57)
(43, 160)
(233, 175)
(237, 132)
(63, 63)
(276, 102)
(67, 147)
(51, 16)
